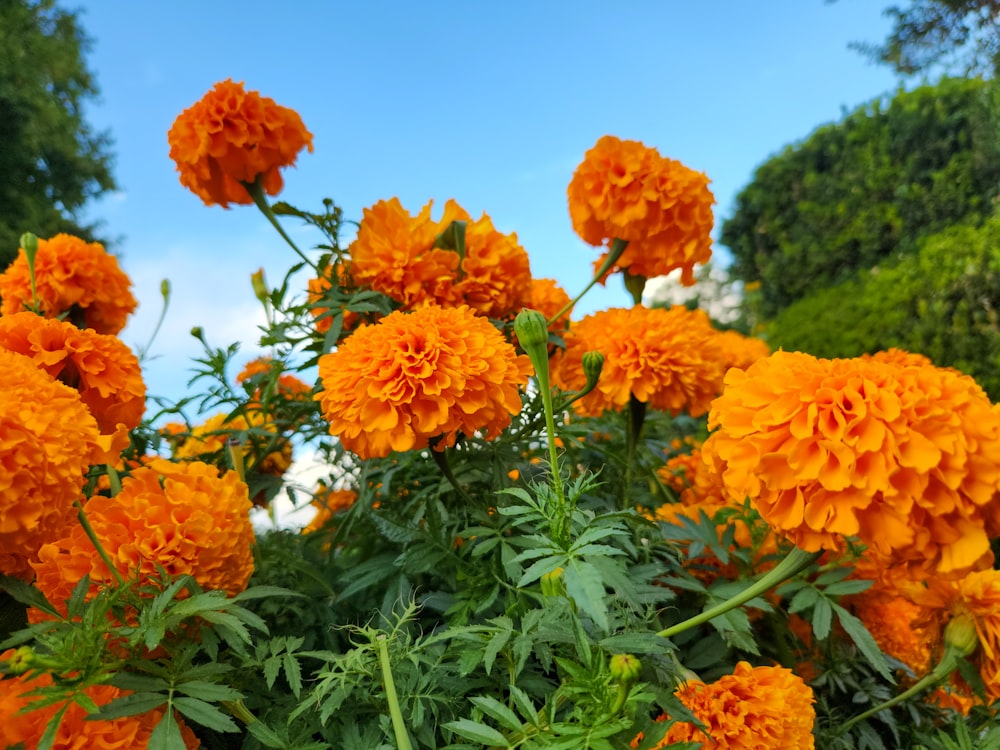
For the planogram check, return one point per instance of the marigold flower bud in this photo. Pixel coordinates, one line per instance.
(624, 668)
(29, 243)
(552, 583)
(165, 289)
(960, 634)
(199, 333)
(259, 285)
(593, 363)
(532, 330)
(20, 661)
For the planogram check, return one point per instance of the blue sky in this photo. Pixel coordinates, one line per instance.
(493, 104)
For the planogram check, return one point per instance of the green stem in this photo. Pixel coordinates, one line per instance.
(92, 535)
(165, 293)
(441, 459)
(617, 248)
(260, 200)
(398, 727)
(635, 419)
(795, 562)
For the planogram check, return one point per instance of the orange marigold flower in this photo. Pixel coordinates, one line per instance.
(755, 708)
(669, 359)
(899, 627)
(209, 439)
(73, 278)
(328, 503)
(182, 517)
(741, 351)
(232, 136)
(317, 290)
(75, 731)
(288, 386)
(102, 368)
(394, 254)
(47, 441)
(626, 190)
(414, 377)
(905, 457)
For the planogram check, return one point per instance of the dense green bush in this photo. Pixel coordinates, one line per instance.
(866, 190)
(941, 301)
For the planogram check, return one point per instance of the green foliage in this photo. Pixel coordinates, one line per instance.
(51, 162)
(864, 191)
(939, 302)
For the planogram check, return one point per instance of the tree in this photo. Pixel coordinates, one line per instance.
(860, 192)
(51, 161)
(959, 36)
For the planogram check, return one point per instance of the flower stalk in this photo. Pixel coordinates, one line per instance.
(92, 536)
(617, 248)
(398, 725)
(256, 191)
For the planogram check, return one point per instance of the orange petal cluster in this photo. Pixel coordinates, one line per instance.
(102, 368)
(47, 439)
(208, 440)
(328, 503)
(394, 254)
(905, 457)
(181, 517)
(414, 377)
(74, 279)
(669, 359)
(741, 351)
(754, 708)
(233, 136)
(288, 386)
(75, 730)
(626, 190)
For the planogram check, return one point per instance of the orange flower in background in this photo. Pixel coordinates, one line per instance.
(287, 386)
(741, 351)
(47, 442)
(207, 440)
(413, 377)
(75, 730)
(328, 503)
(549, 298)
(669, 359)
(626, 190)
(905, 457)
(102, 368)
(73, 278)
(182, 517)
(754, 708)
(232, 136)
(317, 290)
(394, 254)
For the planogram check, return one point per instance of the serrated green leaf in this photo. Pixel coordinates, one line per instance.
(25, 593)
(804, 599)
(498, 711)
(166, 735)
(293, 673)
(49, 735)
(132, 704)
(864, 641)
(205, 714)
(822, 619)
(139, 682)
(473, 730)
(208, 691)
(524, 704)
(844, 588)
(585, 587)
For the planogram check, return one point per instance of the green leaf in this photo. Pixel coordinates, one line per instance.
(473, 730)
(585, 587)
(139, 682)
(27, 594)
(132, 704)
(292, 673)
(49, 735)
(166, 735)
(497, 710)
(864, 641)
(205, 714)
(208, 691)
(822, 618)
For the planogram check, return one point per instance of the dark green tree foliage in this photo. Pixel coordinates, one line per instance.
(942, 301)
(959, 36)
(865, 190)
(51, 162)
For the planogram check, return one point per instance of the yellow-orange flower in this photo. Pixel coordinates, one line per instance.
(73, 278)
(741, 351)
(328, 503)
(754, 708)
(626, 190)
(669, 359)
(182, 517)
(288, 386)
(75, 730)
(102, 368)
(904, 456)
(317, 289)
(232, 136)
(394, 254)
(208, 440)
(47, 439)
(414, 377)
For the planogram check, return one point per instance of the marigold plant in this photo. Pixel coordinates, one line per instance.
(75, 279)
(906, 457)
(416, 377)
(669, 359)
(182, 517)
(47, 443)
(232, 137)
(102, 368)
(625, 190)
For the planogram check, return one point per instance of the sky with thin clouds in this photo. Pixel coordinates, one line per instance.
(493, 104)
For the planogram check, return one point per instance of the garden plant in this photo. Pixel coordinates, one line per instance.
(536, 529)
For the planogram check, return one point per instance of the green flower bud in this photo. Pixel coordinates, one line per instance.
(199, 333)
(552, 583)
(20, 661)
(624, 668)
(532, 330)
(259, 285)
(960, 634)
(165, 289)
(593, 363)
(29, 243)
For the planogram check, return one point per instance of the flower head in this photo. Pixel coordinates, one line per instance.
(47, 440)
(414, 377)
(669, 359)
(182, 517)
(328, 503)
(741, 351)
(287, 385)
(754, 708)
(904, 456)
(231, 137)
(73, 278)
(102, 368)
(626, 190)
